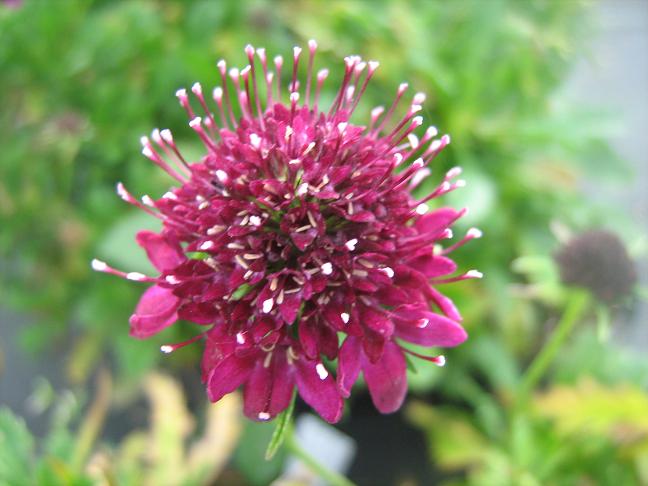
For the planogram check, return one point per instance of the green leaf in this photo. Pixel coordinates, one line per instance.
(279, 434)
(16, 447)
(241, 292)
(197, 255)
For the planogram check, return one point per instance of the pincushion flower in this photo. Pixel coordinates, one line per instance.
(296, 242)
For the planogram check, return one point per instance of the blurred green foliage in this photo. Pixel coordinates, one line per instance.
(82, 80)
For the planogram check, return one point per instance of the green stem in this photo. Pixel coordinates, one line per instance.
(576, 305)
(331, 477)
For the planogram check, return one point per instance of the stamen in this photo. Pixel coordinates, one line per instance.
(321, 371)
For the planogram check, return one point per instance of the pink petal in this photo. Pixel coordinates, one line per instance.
(163, 254)
(268, 390)
(438, 331)
(230, 373)
(387, 379)
(433, 266)
(156, 310)
(321, 394)
(445, 304)
(308, 337)
(436, 221)
(348, 365)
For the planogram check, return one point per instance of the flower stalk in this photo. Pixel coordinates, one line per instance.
(577, 303)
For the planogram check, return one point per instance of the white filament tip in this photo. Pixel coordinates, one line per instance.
(312, 44)
(195, 123)
(474, 233)
(454, 172)
(440, 360)
(294, 97)
(255, 140)
(221, 175)
(419, 98)
(196, 88)
(435, 145)
(263, 416)
(166, 135)
(207, 245)
(166, 349)
(121, 191)
(296, 51)
(98, 265)
(377, 111)
(417, 120)
(240, 338)
(148, 153)
(267, 305)
(345, 317)
(388, 271)
(181, 93)
(422, 208)
(351, 244)
(431, 131)
(474, 274)
(327, 268)
(321, 371)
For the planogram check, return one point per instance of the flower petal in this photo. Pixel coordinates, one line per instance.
(433, 330)
(163, 254)
(230, 373)
(433, 266)
(156, 310)
(348, 365)
(387, 379)
(320, 393)
(268, 390)
(436, 221)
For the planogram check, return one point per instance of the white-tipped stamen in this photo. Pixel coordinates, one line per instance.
(388, 271)
(98, 265)
(136, 276)
(327, 268)
(474, 274)
(345, 317)
(322, 372)
(267, 305)
(422, 208)
(351, 244)
(207, 245)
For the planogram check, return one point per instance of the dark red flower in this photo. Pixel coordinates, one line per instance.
(296, 242)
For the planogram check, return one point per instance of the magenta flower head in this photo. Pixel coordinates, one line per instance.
(296, 242)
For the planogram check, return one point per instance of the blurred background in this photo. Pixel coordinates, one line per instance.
(547, 105)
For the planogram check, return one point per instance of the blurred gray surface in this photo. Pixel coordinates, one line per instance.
(614, 76)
